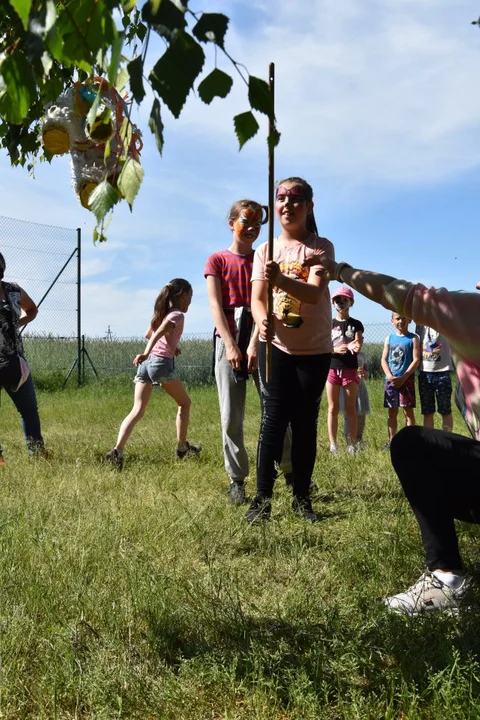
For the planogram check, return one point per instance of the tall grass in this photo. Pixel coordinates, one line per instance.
(145, 594)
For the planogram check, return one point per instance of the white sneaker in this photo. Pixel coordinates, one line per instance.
(351, 450)
(333, 449)
(429, 594)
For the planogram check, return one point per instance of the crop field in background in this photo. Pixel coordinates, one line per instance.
(145, 594)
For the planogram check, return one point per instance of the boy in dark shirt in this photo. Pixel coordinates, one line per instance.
(347, 339)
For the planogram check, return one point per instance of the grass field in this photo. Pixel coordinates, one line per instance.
(146, 595)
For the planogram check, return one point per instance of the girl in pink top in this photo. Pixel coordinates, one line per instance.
(439, 471)
(301, 345)
(155, 366)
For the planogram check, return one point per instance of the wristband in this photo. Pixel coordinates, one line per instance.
(340, 266)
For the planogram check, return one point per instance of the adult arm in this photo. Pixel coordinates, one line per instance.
(29, 309)
(214, 292)
(451, 313)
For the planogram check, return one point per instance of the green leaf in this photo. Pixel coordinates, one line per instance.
(211, 27)
(102, 200)
(115, 58)
(245, 127)
(164, 12)
(174, 74)
(216, 84)
(128, 5)
(155, 124)
(130, 180)
(259, 95)
(121, 79)
(22, 8)
(273, 139)
(20, 88)
(92, 113)
(135, 71)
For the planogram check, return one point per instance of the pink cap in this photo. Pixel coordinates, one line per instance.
(343, 290)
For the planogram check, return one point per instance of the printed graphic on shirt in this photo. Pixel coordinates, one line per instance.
(285, 306)
(396, 358)
(338, 335)
(432, 348)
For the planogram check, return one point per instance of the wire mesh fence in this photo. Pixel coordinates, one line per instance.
(112, 356)
(42, 259)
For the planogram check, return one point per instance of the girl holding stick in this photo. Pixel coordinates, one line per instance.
(300, 332)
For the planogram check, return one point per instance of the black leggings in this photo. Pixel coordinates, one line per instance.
(440, 475)
(292, 396)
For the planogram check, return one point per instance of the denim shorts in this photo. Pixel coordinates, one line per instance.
(156, 370)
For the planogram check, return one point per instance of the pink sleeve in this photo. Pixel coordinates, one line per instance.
(258, 269)
(453, 314)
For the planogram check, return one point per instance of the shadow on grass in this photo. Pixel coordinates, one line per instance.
(340, 656)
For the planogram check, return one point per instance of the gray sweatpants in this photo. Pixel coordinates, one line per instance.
(231, 398)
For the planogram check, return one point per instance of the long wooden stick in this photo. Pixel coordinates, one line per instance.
(271, 212)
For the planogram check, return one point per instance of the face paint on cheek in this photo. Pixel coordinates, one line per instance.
(249, 219)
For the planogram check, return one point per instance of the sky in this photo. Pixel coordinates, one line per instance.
(378, 105)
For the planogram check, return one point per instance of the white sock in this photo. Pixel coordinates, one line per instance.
(451, 579)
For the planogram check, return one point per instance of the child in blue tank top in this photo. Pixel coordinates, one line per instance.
(400, 359)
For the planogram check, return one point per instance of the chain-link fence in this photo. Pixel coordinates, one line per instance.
(113, 356)
(45, 261)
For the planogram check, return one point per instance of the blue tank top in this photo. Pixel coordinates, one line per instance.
(400, 353)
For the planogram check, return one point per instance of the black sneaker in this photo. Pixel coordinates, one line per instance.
(114, 459)
(189, 450)
(303, 506)
(260, 509)
(236, 492)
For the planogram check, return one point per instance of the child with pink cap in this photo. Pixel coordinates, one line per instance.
(347, 339)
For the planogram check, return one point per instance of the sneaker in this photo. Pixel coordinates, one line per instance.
(260, 509)
(189, 450)
(386, 447)
(333, 449)
(361, 445)
(303, 506)
(114, 458)
(236, 492)
(351, 450)
(429, 594)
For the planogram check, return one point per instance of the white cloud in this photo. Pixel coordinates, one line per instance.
(367, 91)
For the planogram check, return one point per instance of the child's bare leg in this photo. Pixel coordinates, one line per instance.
(429, 421)
(176, 390)
(392, 422)
(333, 394)
(143, 392)
(350, 394)
(447, 422)
(409, 416)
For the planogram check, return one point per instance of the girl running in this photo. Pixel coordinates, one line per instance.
(156, 367)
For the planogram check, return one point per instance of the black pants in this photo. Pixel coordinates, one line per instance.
(440, 475)
(292, 396)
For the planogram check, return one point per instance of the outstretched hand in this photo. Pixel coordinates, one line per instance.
(324, 261)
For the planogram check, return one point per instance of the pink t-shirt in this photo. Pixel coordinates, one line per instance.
(166, 346)
(300, 328)
(455, 315)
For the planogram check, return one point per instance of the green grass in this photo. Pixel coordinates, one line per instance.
(146, 595)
